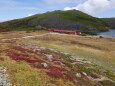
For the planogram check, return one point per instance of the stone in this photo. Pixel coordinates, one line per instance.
(84, 73)
(4, 78)
(44, 64)
(78, 74)
(102, 71)
(50, 57)
(94, 75)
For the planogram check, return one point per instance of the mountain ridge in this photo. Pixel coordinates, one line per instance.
(71, 20)
(110, 21)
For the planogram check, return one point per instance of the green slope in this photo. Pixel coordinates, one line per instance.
(110, 21)
(71, 15)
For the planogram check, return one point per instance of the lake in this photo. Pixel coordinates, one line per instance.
(109, 34)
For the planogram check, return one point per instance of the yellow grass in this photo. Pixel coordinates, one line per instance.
(23, 74)
(19, 34)
(98, 50)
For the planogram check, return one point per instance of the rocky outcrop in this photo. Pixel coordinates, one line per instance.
(4, 78)
(70, 20)
(62, 24)
(110, 21)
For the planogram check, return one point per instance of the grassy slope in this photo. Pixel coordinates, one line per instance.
(26, 73)
(72, 15)
(96, 50)
(110, 21)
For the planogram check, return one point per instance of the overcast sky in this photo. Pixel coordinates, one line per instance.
(13, 9)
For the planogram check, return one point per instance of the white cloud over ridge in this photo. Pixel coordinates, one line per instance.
(94, 7)
(30, 14)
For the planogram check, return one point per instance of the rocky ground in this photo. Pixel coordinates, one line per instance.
(55, 64)
(76, 61)
(4, 77)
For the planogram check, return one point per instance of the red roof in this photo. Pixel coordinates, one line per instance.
(64, 31)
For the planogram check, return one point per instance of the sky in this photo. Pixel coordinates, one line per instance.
(14, 9)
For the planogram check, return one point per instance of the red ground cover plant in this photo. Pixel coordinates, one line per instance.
(58, 72)
(1, 59)
(68, 77)
(18, 48)
(55, 74)
(53, 68)
(22, 57)
(3, 29)
(55, 71)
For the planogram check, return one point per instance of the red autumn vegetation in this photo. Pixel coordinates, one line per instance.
(55, 74)
(22, 57)
(55, 71)
(1, 59)
(68, 77)
(53, 68)
(19, 49)
(58, 72)
(5, 29)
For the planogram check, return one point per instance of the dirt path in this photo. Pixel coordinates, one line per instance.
(26, 37)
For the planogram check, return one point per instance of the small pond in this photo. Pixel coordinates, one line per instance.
(109, 34)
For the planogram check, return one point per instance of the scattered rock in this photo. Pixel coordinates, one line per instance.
(44, 64)
(87, 62)
(4, 78)
(50, 57)
(78, 74)
(66, 53)
(100, 36)
(60, 63)
(97, 79)
(76, 58)
(74, 63)
(84, 73)
(2, 70)
(94, 75)
(90, 67)
(102, 71)
(34, 47)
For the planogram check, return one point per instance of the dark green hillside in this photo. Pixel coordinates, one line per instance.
(72, 19)
(110, 21)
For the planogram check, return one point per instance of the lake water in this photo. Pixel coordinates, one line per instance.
(109, 34)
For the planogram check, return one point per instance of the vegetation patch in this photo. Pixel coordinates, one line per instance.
(35, 62)
(1, 59)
